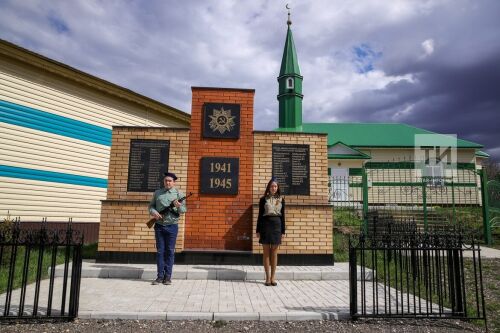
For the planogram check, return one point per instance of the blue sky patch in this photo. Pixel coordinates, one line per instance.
(364, 57)
(57, 23)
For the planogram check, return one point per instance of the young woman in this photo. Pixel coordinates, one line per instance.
(271, 228)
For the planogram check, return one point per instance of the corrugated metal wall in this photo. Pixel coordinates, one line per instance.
(55, 139)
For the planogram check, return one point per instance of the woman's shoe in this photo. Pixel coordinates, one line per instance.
(274, 284)
(267, 284)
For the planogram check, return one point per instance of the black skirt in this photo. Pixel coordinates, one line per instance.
(271, 230)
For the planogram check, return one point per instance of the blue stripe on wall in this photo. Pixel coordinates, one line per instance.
(19, 115)
(50, 176)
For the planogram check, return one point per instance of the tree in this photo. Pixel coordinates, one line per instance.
(492, 169)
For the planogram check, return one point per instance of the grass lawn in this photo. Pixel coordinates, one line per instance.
(340, 247)
(491, 283)
(32, 265)
(88, 252)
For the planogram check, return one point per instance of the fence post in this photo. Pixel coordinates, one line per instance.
(453, 201)
(424, 202)
(75, 281)
(457, 296)
(486, 213)
(353, 281)
(365, 199)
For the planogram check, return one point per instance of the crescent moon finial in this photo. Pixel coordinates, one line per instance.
(289, 22)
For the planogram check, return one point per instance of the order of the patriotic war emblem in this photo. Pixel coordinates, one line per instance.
(221, 120)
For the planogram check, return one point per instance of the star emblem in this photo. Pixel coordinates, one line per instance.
(222, 121)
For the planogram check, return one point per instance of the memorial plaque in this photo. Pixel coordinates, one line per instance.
(221, 120)
(291, 168)
(219, 175)
(147, 162)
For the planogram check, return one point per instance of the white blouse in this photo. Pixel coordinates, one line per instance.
(272, 207)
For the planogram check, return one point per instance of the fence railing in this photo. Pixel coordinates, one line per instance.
(402, 190)
(435, 274)
(29, 288)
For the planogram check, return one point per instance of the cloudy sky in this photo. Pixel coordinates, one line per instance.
(432, 64)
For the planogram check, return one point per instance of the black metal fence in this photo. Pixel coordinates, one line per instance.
(405, 273)
(30, 286)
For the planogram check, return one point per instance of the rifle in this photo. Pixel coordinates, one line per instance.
(169, 208)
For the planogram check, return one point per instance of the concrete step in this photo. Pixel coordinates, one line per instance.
(339, 271)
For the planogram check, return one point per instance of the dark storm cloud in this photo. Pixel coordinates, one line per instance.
(468, 98)
(452, 100)
(451, 89)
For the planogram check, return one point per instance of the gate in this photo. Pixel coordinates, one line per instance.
(405, 274)
(29, 288)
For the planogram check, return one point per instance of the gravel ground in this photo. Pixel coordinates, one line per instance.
(132, 326)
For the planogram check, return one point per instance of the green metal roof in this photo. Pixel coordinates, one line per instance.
(289, 61)
(482, 154)
(380, 135)
(347, 157)
(355, 153)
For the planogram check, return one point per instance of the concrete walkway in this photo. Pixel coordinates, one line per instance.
(214, 300)
(220, 292)
(486, 253)
(339, 271)
(214, 292)
(209, 299)
(121, 291)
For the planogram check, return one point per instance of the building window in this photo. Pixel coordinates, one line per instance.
(289, 83)
(338, 185)
(434, 173)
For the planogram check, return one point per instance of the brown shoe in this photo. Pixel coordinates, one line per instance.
(267, 284)
(274, 284)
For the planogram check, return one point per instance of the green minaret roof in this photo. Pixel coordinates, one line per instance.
(290, 85)
(289, 62)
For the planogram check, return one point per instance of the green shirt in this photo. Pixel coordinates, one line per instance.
(162, 199)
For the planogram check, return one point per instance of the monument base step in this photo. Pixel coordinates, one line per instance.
(214, 257)
(213, 272)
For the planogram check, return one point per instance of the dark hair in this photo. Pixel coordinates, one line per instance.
(268, 188)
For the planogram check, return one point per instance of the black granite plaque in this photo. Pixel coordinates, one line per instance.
(219, 175)
(291, 168)
(221, 120)
(147, 162)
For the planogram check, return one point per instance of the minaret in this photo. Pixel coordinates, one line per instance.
(290, 85)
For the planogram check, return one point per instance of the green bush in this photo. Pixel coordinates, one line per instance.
(89, 251)
(346, 217)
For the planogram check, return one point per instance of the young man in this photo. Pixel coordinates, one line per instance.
(166, 208)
